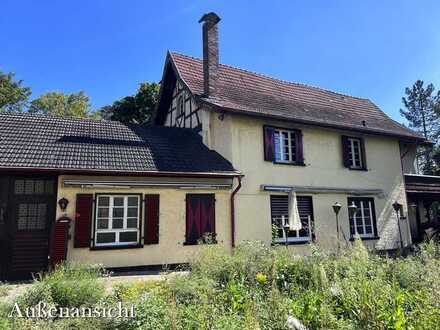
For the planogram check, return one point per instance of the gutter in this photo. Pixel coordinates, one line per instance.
(78, 171)
(233, 210)
(144, 183)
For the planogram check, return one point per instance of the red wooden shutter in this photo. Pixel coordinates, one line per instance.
(269, 152)
(363, 156)
(193, 229)
(345, 152)
(59, 240)
(151, 230)
(83, 220)
(207, 214)
(299, 147)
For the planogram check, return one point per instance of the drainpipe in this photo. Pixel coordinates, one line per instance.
(233, 210)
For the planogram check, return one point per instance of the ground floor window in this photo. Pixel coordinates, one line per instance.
(279, 206)
(364, 220)
(117, 220)
(200, 218)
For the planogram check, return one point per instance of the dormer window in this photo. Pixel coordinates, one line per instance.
(353, 153)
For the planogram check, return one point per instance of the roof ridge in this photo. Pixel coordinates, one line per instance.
(278, 79)
(52, 116)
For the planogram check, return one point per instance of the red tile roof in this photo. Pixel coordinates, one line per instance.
(250, 93)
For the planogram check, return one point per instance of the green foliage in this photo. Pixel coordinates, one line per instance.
(422, 111)
(68, 286)
(135, 109)
(258, 287)
(13, 95)
(75, 105)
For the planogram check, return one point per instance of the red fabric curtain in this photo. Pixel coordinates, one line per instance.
(200, 216)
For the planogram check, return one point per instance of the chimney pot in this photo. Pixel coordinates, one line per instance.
(210, 53)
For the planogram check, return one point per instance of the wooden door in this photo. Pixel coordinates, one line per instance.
(31, 211)
(4, 192)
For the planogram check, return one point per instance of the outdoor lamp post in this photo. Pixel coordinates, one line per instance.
(397, 208)
(352, 208)
(336, 208)
(286, 230)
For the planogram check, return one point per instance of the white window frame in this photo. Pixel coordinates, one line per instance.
(296, 238)
(353, 144)
(279, 153)
(124, 228)
(362, 208)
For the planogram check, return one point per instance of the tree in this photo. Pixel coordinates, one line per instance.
(422, 112)
(137, 109)
(13, 96)
(64, 105)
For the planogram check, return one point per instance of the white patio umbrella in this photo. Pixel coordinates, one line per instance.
(294, 219)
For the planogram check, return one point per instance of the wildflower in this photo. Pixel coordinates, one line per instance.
(293, 323)
(334, 290)
(261, 278)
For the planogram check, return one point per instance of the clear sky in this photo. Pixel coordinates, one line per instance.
(371, 49)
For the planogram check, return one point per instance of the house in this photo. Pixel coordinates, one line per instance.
(231, 153)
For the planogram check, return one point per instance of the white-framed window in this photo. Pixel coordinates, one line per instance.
(355, 152)
(364, 220)
(279, 209)
(117, 220)
(285, 146)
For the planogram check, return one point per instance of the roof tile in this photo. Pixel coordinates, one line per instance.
(37, 141)
(251, 93)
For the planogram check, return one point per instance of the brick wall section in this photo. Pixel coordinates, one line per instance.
(210, 53)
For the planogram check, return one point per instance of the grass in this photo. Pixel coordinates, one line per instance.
(258, 288)
(4, 289)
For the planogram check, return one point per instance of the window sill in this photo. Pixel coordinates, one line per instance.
(190, 243)
(289, 163)
(358, 169)
(116, 247)
(366, 238)
(293, 242)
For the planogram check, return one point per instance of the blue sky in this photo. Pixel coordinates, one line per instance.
(371, 49)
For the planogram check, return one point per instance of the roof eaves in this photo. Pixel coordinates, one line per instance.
(120, 172)
(375, 131)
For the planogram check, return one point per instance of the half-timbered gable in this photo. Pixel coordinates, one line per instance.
(183, 110)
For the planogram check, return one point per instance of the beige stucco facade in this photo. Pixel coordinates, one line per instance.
(240, 140)
(171, 248)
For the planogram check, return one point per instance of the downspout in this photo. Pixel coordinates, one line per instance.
(233, 210)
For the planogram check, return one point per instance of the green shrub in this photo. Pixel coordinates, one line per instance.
(257, 287)
(69, 285)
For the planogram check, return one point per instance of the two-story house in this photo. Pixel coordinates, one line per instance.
(327, 147)
(233, 153)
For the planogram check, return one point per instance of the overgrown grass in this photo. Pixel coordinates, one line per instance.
(260, 288)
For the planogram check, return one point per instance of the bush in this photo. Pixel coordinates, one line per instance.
(262, 288)
(69, 285)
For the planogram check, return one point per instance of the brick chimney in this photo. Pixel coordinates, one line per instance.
(210, 53)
